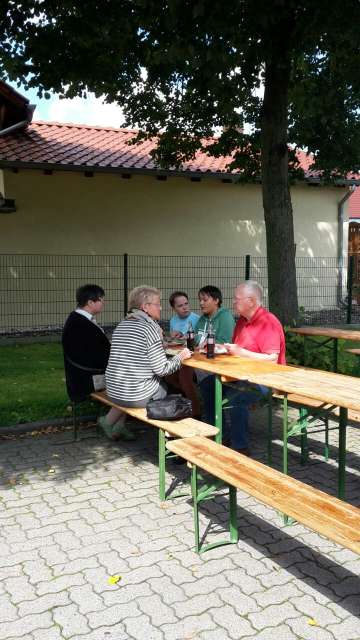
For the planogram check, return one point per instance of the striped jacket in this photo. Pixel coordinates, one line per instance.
(137, 360)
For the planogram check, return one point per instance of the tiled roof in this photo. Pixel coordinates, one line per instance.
(89, 147)
(73, 146)
(354, 204)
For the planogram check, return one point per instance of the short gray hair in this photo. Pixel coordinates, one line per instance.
(253, 288)
(142, 295)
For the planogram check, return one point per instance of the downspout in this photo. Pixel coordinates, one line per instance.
(340, 259)
(13, 127)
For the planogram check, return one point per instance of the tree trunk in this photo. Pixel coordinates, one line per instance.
(276, 195)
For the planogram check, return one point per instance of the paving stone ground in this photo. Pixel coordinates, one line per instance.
(72, 515)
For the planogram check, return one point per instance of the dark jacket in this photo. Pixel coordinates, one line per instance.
(86, 345)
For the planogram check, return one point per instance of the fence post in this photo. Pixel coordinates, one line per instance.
(125, 282)
(350, 288)
(247, 267)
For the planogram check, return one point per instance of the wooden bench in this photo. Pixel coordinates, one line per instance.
(315, 509)
(311, 410)
(185, 428)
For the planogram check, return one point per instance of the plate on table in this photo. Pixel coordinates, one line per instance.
(173, 342)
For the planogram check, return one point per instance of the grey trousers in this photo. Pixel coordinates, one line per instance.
(158, 395)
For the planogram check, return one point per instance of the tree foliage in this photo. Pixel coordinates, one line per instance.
(187, 68)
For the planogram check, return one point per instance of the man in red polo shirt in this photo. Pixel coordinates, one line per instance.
(258, 335)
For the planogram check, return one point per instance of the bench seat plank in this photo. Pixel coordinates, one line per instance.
(304, 401)
(317, 510)
(184, 428)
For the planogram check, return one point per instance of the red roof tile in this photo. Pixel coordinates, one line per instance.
(354, 204)
(91, 147)
(55, 144)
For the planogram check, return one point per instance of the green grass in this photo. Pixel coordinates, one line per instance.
(33, 385)
(33, 382)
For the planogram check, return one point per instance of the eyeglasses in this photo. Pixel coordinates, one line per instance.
(156, 304)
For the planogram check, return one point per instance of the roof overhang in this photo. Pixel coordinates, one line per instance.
(169, 173)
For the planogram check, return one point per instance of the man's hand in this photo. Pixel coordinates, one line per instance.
(233, 349)
(176, 334)
(236, 350)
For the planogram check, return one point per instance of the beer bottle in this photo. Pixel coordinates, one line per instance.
(210, 345)
(190, 338)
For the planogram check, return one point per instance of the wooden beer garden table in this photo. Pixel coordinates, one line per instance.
(331, 335)
(330, 388)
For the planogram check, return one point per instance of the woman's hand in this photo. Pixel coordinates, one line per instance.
(176, 334)
(185, 354)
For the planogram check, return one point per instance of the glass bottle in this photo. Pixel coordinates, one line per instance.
(190, 338)
(210, 343)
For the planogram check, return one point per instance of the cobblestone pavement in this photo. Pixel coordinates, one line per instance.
(73, 515)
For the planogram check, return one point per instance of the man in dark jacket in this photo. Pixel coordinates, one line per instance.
(86, 347)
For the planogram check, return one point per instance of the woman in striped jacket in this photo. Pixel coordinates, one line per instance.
(137, 362)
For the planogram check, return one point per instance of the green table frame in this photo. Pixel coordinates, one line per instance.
(290, 429)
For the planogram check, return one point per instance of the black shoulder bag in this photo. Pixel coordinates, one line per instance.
(173, 407)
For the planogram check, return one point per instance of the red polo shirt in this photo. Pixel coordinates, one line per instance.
(262, 334)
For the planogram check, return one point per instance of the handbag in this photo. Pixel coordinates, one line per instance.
(173, 407)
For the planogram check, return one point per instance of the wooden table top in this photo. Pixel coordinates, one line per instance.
(332, 388)
(231, 366)
(327, 332)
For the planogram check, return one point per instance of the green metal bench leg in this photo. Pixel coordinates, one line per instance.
(203, 494)
(342, 452)
(286, 518)
(218, 408)
(303, 414)
(164, 454)
(285, 434)
(234, 533)
(194, 491)
(162, 465)
(326, 448)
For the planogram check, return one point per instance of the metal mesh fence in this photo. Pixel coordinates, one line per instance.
(187, 273)
(38, 291)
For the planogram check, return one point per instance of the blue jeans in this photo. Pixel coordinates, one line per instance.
(236, 410)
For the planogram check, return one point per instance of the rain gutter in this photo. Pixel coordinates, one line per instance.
(14, 127)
